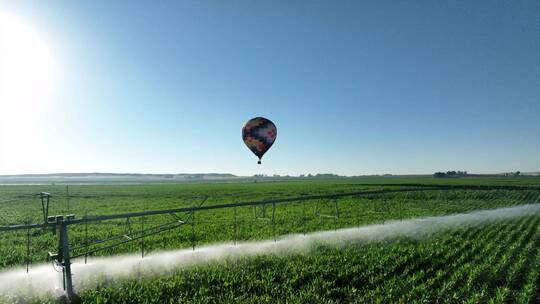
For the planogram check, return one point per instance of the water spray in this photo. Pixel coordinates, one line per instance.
(44, 280)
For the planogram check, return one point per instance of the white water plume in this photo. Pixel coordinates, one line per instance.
(43, 279)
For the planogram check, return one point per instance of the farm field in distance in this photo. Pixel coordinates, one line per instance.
(495, 262)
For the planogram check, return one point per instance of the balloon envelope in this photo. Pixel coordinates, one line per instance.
(259, 134)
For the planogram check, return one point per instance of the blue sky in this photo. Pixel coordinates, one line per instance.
(354, 87)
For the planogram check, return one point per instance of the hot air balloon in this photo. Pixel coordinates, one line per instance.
(259, 134)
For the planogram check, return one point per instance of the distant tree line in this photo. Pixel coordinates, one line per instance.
(450, 174)
(319, 175)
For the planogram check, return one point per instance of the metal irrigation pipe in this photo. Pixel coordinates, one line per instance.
(235, 226)
(273, 201)
(28, 247)
(140, 237)
(240, 204)
(121, 235)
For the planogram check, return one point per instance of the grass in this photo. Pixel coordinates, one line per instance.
(495, 263)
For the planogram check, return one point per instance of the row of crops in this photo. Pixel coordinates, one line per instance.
(19, 204)
(492, 263)
(496, 262)
(256, 223)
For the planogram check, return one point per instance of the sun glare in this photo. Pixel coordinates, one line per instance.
(27, 78)
(26, 68)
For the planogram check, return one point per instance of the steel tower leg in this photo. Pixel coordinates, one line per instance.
(66, 262)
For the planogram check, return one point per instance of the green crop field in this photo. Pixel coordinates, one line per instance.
(495, 262)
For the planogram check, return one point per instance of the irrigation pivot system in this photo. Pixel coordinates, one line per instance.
(66, 251)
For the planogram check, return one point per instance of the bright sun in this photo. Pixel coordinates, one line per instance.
(27, 78)
(26, 69)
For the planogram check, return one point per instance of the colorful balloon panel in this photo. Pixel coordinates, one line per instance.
(259, 134)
